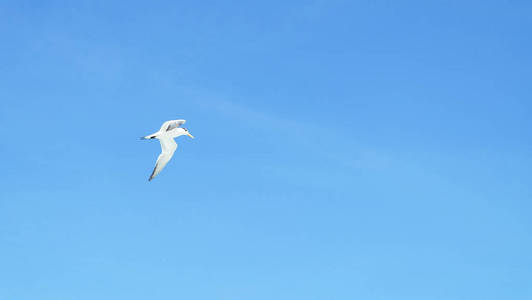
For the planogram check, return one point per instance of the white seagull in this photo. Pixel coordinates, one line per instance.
(170, 130)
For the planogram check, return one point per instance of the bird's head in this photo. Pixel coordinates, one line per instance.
(185, 132)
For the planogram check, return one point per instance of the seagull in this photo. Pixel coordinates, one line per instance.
(169, 130)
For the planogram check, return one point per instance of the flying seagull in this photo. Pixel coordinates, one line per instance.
(169, 130)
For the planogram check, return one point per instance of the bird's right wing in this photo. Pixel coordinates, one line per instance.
(169, 125)
(168, 146)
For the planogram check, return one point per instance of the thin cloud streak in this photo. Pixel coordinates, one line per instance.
(313, 136)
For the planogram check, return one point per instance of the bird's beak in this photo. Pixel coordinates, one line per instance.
(190, 135)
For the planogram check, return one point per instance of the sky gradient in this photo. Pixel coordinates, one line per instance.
(344, 150)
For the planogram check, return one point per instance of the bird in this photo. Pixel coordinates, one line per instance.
(169, 130)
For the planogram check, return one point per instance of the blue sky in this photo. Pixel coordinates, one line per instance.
(344, 150)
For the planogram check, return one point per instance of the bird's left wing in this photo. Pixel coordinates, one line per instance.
(169, 125)
(168, 146)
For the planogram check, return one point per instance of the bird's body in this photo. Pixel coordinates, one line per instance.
(169, 130)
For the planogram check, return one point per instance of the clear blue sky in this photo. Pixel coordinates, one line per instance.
(344, 150)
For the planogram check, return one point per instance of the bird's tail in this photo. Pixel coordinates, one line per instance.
(151, 136)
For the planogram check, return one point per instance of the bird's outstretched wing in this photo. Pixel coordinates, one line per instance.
(168, 146)
(169, 125)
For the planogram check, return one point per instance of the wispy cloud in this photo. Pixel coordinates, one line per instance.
(327, 143)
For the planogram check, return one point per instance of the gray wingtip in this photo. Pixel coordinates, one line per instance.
(152, 173)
